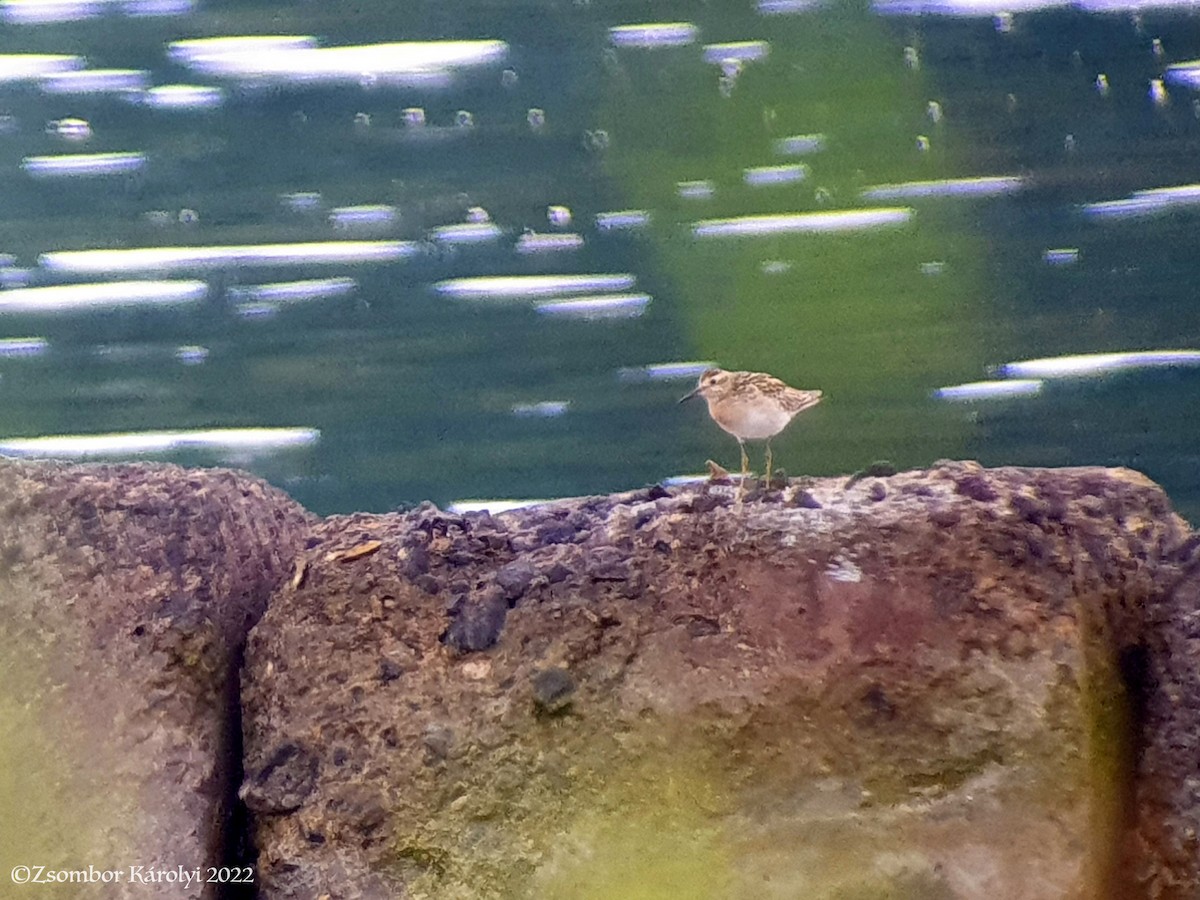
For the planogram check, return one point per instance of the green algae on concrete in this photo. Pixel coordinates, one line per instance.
(58, 810)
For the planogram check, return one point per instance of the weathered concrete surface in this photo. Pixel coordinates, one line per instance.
(941, 685)
(125, 596)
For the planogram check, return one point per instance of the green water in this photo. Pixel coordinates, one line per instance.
(414, 393)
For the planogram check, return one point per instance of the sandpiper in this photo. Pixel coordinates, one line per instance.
(751, 406)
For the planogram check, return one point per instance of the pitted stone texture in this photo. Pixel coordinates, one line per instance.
(126, 592)
(831, 691)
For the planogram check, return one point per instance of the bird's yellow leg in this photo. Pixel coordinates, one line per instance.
(770, 471)
(745, 468)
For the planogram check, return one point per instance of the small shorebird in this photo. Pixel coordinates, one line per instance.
(751, 406)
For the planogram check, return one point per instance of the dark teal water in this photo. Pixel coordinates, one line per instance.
(417, 394)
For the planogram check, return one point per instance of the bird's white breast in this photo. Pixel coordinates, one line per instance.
(750, 421)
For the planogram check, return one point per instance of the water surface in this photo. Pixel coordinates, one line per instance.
(468, 252)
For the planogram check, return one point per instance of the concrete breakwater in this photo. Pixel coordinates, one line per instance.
(948, 683)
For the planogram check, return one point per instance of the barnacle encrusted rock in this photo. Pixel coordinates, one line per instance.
(957, 683)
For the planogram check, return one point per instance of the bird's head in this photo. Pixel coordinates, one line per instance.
(710, 380)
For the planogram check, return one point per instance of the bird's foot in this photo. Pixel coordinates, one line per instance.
(777, 479)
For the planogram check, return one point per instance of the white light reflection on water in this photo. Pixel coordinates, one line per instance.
(83, 165)
(1145, 203)
(786, 7)
(990, 186)
(256, 310)
(696, 190)
(467, 233)
(149, 8)
(39, 12)
(291, 291)
(673, 371)
(125, 353)
(191, 354)
(1111, 6)
(32, 66)
(366, 217)
(515, 286)
(36, 12)
(764, 176)
(246, 442)
(20, 347)
(14, 276)
(146, 259)
(1002, 10)
(654, 34)
(544, 409)
(604, 306)
(71, 129)
(95, 81)
(180, 96)
(799, 223)
(1099, 363)
(194, 52)
(741, 51)
(108, 294)
(1185, 74)
(493, 507)
(622, 220)
(703, 478)
(969, 8)
(296, 59)
(301, 201)
(800, 144)
(988, 390)
(1061, 256)
(531, 243)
